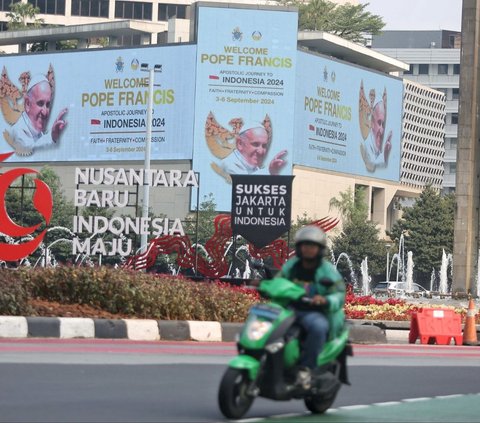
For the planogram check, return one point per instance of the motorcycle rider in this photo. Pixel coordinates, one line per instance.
(324, 317)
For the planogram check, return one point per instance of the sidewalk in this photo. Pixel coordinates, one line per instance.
(361, 331)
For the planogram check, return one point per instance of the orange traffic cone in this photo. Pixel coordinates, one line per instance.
(470, 330)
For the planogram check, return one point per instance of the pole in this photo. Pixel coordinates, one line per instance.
(148, 142)
(197, 221)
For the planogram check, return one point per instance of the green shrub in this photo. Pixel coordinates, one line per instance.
(140, 295)
(13, 295)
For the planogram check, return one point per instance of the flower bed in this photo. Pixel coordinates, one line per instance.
(370, 308)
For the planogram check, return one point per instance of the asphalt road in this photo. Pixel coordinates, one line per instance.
(125, 381)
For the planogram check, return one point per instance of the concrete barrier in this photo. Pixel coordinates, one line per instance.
(76, 327)
(142, 330)
(205, 331)
(13, 327)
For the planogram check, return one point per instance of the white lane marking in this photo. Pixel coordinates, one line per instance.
(286, 415)
(354, 407)
(417, 399)
(386, 404)
(275, 416)
(449, 396)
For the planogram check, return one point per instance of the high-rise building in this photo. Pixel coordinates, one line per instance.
(434, 58)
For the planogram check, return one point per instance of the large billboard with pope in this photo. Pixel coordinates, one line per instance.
(92, 105)
(347, 119)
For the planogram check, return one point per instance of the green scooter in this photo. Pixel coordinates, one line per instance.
(269, 349)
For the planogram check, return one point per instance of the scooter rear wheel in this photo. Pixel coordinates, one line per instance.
(318, 404)
(233, 399)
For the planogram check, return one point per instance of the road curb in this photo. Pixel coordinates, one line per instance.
(361, 331)
(151, 330)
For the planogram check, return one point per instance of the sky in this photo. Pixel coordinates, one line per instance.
(418, 14)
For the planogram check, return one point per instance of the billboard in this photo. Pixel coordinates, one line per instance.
(244, 96)
(92, 105)
(347, 119)
(261, 207)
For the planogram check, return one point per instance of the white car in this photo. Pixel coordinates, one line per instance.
(396, 288)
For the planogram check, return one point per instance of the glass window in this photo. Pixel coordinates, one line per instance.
(60, 7)
(454, 118)
(455, 93)
(127, 11)
(41, 4)
(147, 11)
(133, 10)
(50, 7)
(452, 167)
(118, 9)
(442, 90)
(456, 69)
(181, 12)
(84, 8)
(5, 5)
(451, 41)
(443, 69)
(409, 72)
(75, 7)
(167, 11)
(104, 9)
(91, 8)
(162, 12)
(137, 11)
(423, 69)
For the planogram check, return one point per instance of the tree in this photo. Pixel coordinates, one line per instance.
(349, 21)
(427, 228)
(206, 216)
(23, 16)
(359, 237)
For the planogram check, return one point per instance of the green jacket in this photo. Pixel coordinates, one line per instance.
(334, 293)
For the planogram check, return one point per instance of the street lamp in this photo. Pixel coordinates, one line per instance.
(145, 67)
(387, 273)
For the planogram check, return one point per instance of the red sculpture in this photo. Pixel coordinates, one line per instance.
(215, 265)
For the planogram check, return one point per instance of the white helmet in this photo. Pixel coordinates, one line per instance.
(311, 234)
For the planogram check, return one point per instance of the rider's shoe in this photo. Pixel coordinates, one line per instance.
(304, 378)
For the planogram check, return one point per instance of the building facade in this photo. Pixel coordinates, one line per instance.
(321, 110)
(434, 59)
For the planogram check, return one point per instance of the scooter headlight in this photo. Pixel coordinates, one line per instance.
(257, 329)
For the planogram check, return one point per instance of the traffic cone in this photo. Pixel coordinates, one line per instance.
(470, 330)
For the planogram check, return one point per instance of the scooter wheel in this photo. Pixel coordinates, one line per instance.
(317, 404)
(233, 399)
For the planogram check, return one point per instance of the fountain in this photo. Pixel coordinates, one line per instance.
(399, 259)
(353, 277)
(433, 280)
(401, 255)
(247, 273)
(446, 260)
(410, 265)
(365, 278)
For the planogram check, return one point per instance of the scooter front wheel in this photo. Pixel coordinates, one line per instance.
(233, 398)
